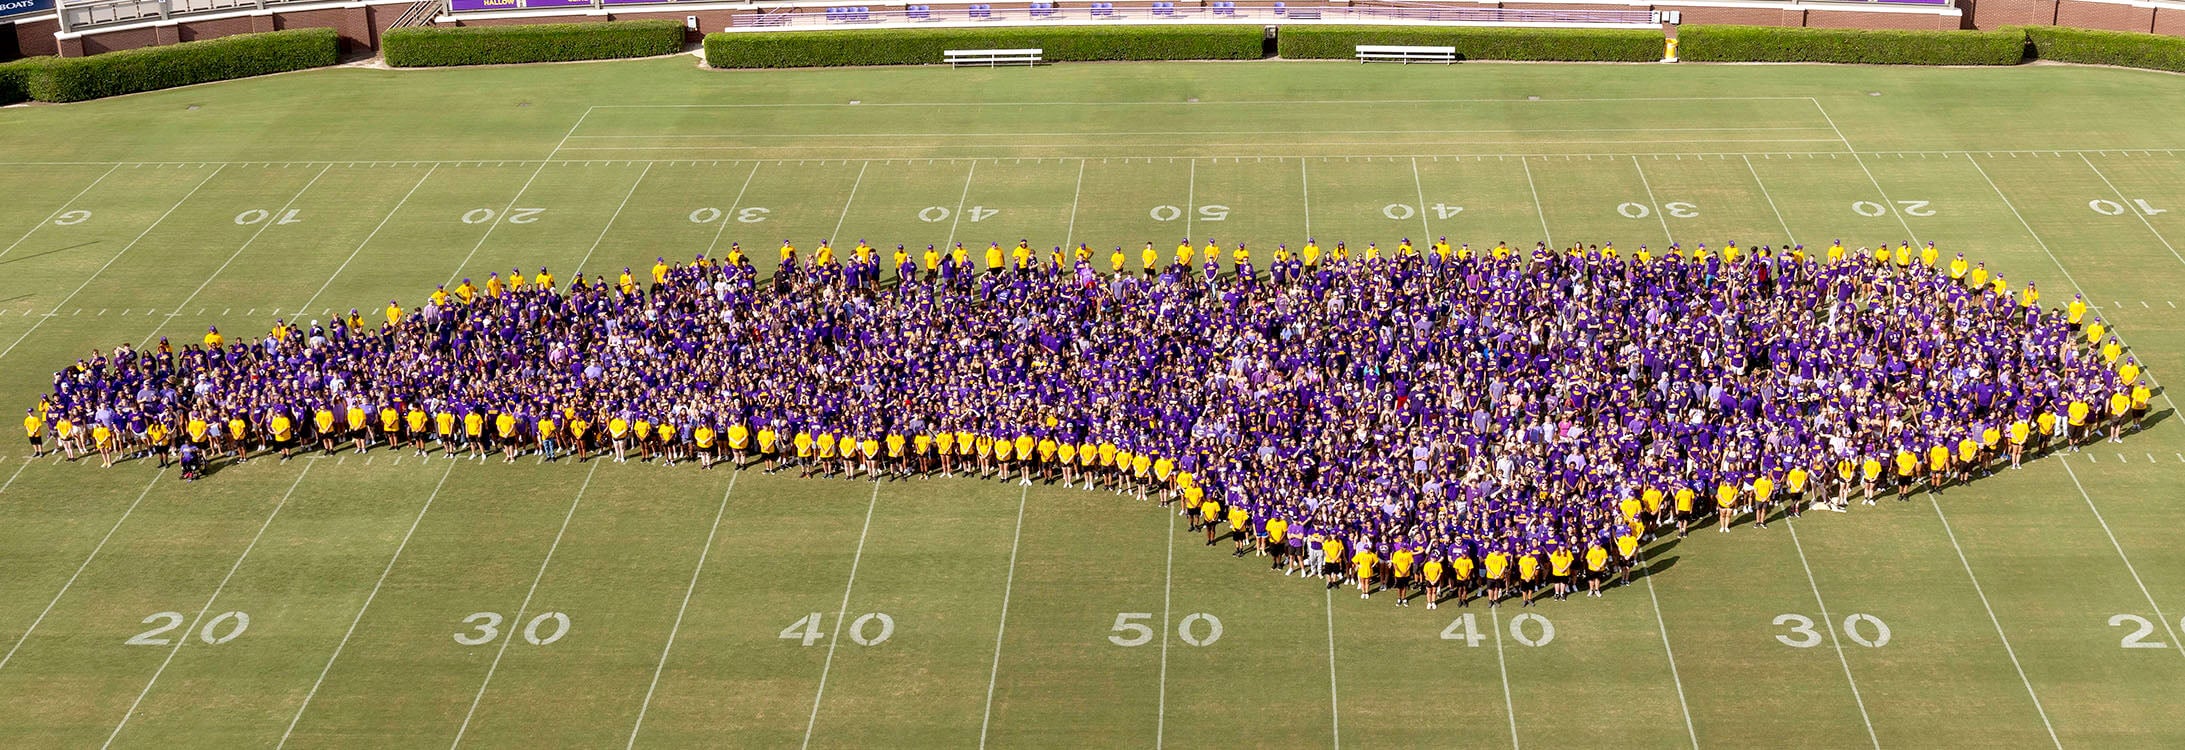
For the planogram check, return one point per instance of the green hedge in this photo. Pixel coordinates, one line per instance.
(151, 68)
(429, 46)
(15, 78)
(1773, 44)
(796, 49)
(1476, 43)
(2108, 48)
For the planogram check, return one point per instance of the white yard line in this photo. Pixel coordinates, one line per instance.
(270, 220)
(673, 630)
(994, 673)
(1129, 133)
(17, 473)
(525, 607)
(616, 215)
(305, 308)
(2128, 567)
(828, 666)
(25, 637)
(1185, 144)
(109, 263)
(1994, 621)
(2043, 244)
(1538, 208)
(1233, 102)
(2135, 214)
(1509, 706)
(1830, 621)
(366, 607)
(1893, 209)
(729, 216)
(495, 223)
(182, 638)
(1663, 626)
(1418, 185)
(1793, 236)
(57, 212)
(1305, 190)
(1335, 701)
(502, 216)
(1069, 236)
(846, 202)
(955, 218)
(1168, 587)
(1654, 204)
(1191, 199)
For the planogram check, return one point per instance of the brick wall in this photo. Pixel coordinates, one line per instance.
(214, 29)
(2106, 16)
(354, 25)
(36, 38)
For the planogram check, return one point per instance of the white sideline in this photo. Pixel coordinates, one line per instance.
(361, 609)
(182, 638)
(524, 608)
(679, 611)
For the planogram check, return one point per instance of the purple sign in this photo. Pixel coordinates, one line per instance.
(555, 3)
(463, 5)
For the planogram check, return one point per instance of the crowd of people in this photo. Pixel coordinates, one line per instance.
(1448, 421)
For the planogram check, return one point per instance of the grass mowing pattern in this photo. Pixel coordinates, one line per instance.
(1065, 154)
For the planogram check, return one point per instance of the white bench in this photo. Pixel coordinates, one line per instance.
(1405, 54)
(991, 57)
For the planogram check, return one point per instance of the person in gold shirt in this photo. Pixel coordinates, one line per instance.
(1495, 569)
(1559, 571)
(1596, 568)
(1431, 574)
(1399, 573)
(1367, 566)
(1460, 570)
(1240, 523)
(34, 426)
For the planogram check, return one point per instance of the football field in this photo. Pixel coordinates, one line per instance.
(378, 599)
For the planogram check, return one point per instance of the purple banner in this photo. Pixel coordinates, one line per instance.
(554, 3)
(463, 5)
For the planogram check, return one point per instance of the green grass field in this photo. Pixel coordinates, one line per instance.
(329, 602)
